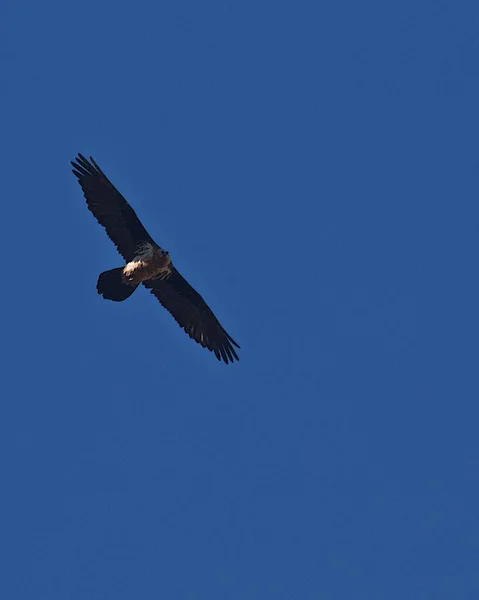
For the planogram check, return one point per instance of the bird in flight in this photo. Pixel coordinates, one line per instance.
(147, 263)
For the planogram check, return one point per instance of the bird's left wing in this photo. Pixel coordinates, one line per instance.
(193, 314)
(110, 208)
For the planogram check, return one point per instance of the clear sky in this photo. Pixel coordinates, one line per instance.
(313, 168)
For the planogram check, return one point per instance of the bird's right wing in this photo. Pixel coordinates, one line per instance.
(110, 208)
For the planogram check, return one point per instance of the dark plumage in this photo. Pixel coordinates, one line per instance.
(147, 263)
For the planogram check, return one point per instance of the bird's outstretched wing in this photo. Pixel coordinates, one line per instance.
(110, 208)
(192, 313)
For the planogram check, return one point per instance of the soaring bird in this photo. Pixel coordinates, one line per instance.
(147, 263)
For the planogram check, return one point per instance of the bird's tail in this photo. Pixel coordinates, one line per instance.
(111, 286)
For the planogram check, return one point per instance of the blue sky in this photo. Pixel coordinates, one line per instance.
(313, 169)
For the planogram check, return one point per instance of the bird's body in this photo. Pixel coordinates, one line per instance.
(147, 263)
(150, 262)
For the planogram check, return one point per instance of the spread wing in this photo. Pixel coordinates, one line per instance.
(193, 314)
(110, 208)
